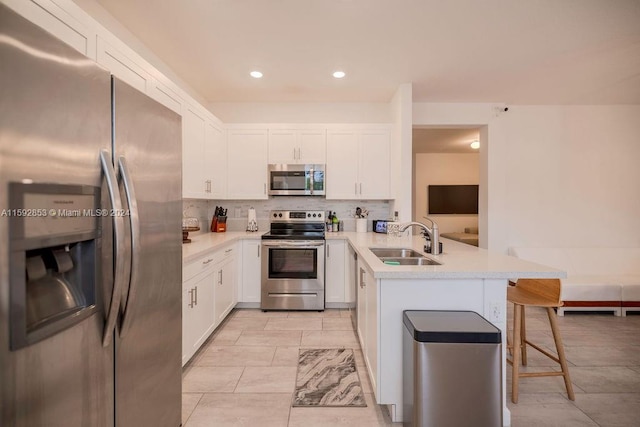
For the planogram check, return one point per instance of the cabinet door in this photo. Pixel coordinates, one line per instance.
(335, 271)
(122, 66)
(361, 309)
(57, 21)
(166, 96)
(342, 165)
(351, 278)
(283, 147)
(373, 169)
(188, 322)
(225, 288)
(312, 146)
(215, 161)
(251, 271)
(247, 173)
(194, 184)
(204, 317)
(371, 319)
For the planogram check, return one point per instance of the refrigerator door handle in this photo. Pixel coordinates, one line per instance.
(119, 274)
(134, 220)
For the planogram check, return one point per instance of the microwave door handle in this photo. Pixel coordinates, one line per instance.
(120, 259)
(311, 180)
(134, 220)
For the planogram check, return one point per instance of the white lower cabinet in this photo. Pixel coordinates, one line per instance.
(225, 288)
(208, 295)
(197, 304)
(251, 271)
(368, 321)
(335, 290)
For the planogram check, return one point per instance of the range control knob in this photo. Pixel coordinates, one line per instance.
(275, 215)
(314, 215)
(309, 215)
(280, 215)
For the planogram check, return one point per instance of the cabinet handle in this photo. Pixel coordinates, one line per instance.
(191, 302)
(220, 277)
(362, 283)
(228, 250)
(259, 246)
(328, 251)
(265, 188)
(360, 188)
(294, 154)
(196, 293)
(209, 183)
(205, 186)
(207, 261)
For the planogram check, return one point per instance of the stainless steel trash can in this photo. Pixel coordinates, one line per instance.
(452, 370)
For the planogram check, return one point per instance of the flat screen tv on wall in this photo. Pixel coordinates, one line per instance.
(452, 199)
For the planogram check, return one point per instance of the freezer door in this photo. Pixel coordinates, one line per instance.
(148, 343)
(54, 120)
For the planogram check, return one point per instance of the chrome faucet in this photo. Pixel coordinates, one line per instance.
(426, 231)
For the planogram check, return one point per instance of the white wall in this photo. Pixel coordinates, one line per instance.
(573, 176)
(444, 169)
(555, 175)
(401, 109)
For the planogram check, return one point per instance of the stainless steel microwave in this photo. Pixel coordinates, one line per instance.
(296, 180)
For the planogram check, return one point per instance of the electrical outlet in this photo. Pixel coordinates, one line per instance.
(495, 312)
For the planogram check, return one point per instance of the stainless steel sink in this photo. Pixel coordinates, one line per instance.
(409, 261)
(396, 253)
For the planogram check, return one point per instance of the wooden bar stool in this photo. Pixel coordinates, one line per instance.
(535, 293)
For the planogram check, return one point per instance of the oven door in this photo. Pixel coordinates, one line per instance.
(293, 275)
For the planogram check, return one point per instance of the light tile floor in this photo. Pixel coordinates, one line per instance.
(244, 375)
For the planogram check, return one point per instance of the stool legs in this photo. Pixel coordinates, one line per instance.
(517, 348)
(523, 335)
(560, 350)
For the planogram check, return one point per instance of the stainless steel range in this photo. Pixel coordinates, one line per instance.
(293, 261)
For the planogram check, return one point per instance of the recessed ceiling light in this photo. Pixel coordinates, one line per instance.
(339, 74)
(255, 74)
(475, 145)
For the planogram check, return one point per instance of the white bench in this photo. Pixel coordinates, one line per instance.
(598, 279)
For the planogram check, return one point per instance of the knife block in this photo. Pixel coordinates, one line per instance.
(219, 224)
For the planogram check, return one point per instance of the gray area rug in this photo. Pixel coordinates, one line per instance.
(327, 377)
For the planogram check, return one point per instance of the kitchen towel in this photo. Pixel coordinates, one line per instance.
(327, 377)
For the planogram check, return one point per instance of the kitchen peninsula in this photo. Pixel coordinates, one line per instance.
(469, 278)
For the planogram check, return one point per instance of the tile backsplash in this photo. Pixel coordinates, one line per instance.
(238, 210)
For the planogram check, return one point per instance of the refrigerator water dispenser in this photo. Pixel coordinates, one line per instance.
(54, 242)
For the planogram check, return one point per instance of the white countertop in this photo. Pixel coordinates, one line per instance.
(208, 242)
(459, 261)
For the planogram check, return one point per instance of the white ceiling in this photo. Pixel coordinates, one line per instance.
(518, 52)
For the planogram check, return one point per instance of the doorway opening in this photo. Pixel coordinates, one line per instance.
(443, 156)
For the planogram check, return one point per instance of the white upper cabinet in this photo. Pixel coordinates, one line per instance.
(297, 146)
(204, 156)
(123, 66)
(215, 161)
(166, 96)
(57, 21)
(194, 183)
(358, 165)
(247, 164)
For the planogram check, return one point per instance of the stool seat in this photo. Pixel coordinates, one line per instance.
(524, 297)
(535, 293)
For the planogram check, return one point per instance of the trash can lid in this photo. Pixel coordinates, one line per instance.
(450, 327)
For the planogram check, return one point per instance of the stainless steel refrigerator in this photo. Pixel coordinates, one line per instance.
(90, 241)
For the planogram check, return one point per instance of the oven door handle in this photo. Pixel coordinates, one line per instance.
(294, 244)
